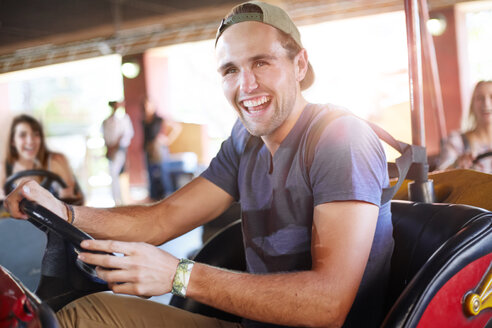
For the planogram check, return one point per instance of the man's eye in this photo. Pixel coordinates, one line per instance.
(230, 70)
(260, 63)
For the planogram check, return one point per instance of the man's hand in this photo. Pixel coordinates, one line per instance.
(144, 270)
(31, 190)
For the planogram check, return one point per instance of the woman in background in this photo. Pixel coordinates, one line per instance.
(26, 150)
(462, 148)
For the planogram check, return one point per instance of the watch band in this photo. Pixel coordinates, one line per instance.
(70, 213)
(182, 277)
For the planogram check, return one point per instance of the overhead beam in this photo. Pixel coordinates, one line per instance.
(136, 36)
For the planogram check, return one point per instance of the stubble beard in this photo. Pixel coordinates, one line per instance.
(280, 114)
(259, 129)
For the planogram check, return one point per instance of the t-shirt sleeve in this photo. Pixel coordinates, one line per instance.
(223, 169)
(349, 163)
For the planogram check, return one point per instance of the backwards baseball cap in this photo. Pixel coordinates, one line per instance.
(273, 16)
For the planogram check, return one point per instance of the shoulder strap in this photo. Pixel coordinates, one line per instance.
(409, 154)
(316, 131)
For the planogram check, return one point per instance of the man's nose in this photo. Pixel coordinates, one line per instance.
(248, 81)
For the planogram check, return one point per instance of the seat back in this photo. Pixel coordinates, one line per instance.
(419, 229)
(433, 242)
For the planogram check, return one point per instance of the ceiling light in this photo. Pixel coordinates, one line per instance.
(437, 25)
(130, 70)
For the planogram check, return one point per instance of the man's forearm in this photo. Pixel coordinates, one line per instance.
(129, 223)
(305, 298)
(191, 206)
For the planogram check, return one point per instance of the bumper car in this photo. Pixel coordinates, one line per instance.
(21, 272)
(22, 236)
(440, 269)
(19, 307)
(441, 272)
(63, 277)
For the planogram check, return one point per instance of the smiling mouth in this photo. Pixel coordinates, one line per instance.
(29, 150)
(255, 105)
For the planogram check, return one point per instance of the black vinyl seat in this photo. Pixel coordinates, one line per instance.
(433, 243)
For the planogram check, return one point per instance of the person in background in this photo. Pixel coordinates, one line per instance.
(27, 150)
(317, 234)
(118, 133)
(159, 133)
(462, 148)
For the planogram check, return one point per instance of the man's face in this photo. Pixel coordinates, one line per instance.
(258, 78)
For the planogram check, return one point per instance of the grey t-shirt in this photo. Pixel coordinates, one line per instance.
(278, 195)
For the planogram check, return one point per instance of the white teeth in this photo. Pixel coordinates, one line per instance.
(255, 102)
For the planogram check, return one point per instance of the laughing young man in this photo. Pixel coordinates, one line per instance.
(318, 241)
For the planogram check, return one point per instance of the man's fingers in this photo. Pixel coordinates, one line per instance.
(29, 189)
(114, 276)
(104, 260)
(11, 204)
(124, 288)
(109, 246)
(130, 288)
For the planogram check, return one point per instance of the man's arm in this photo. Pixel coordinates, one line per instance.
(191, 206)
(341, 242)
(194, 204)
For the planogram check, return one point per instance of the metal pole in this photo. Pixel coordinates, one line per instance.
(415, 72)
(433, 72)
(421, 189)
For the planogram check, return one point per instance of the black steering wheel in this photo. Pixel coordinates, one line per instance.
(45, 219)
(49, 179)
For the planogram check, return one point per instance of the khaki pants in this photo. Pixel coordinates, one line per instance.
(104, 310)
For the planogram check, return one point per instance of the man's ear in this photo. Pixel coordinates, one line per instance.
(301, 64)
